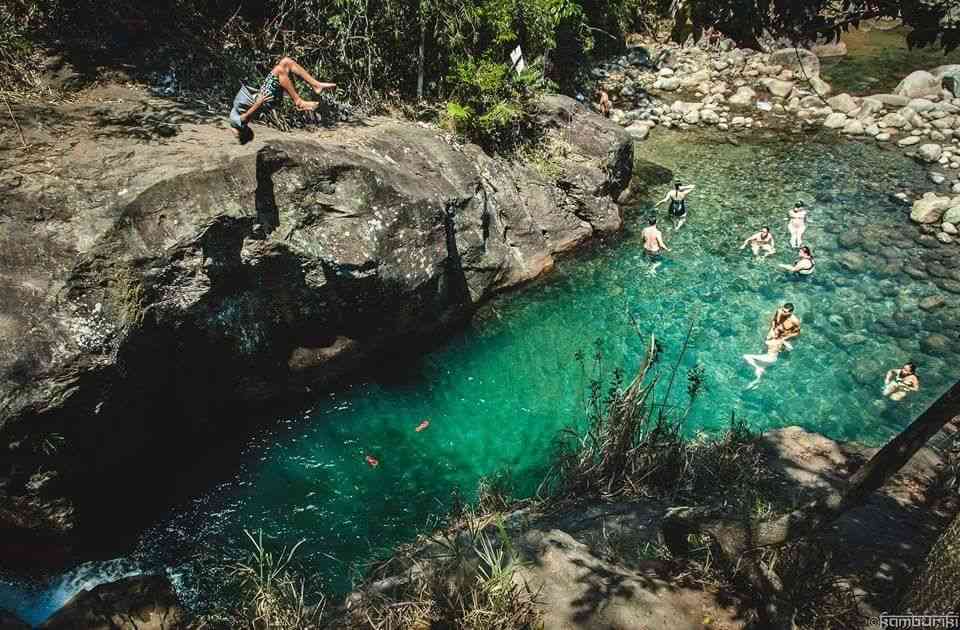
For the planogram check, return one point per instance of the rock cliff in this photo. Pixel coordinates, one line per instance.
(157, 278)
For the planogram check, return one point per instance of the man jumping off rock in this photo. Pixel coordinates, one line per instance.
(247, 102)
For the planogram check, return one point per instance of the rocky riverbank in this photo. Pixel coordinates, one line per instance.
(596, 564)
(738, 90)
(162, 283)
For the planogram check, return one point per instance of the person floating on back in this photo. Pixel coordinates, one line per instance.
(783, 327)
(762, 241)
(248, 102)
(678, 204)
(898, 383)
(653, 245)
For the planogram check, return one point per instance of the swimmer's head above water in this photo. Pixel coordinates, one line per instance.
(805, 251)
(787, 308)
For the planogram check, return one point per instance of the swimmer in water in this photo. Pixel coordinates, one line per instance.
(898, 383)
(804, 265)
(797, 224)
(784, 326)
(653, 245)
(762, 241)
(677, 199)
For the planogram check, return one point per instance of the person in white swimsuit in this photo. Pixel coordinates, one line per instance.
(797, 225)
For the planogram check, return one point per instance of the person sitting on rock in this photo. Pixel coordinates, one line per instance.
(603, 103)
(248, 102)
(898, 383)
(804, 265)
(762, 241)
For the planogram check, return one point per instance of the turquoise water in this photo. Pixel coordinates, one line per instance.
(497, 393)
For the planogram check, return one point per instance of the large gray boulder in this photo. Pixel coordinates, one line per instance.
(143, 602)
(153, 294)
(930, 152)
(778, 87)
(843, 103)
(743, 97)
(799, 60)
(917, 84)
(929, 208)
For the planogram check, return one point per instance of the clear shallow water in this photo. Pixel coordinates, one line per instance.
(497, 394)
(878, 59)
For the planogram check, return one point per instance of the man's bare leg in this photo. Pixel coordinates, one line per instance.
(291, 89)
(287, 65)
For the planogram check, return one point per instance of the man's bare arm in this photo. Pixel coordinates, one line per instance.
(257, 104)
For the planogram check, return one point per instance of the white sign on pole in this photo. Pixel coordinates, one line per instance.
(517, 57)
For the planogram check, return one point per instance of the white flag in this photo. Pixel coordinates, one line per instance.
(517, 57)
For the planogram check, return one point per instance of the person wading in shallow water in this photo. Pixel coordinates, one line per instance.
(762, 241)
(898, 383)
(797, 224)
(653, 245)
(678, 204)
(783, 327)
(248, 102)
(804, 265)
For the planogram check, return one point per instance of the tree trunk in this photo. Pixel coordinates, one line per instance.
(936, 591)
(736, 536)
(420, 51)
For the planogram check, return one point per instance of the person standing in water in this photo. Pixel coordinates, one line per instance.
(804, 265)
(762, 241)
(653, 245)
(898, 383)
(784, 326)
(797, 224)
(677, 199)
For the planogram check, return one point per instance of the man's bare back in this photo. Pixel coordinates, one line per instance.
(653, 240)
